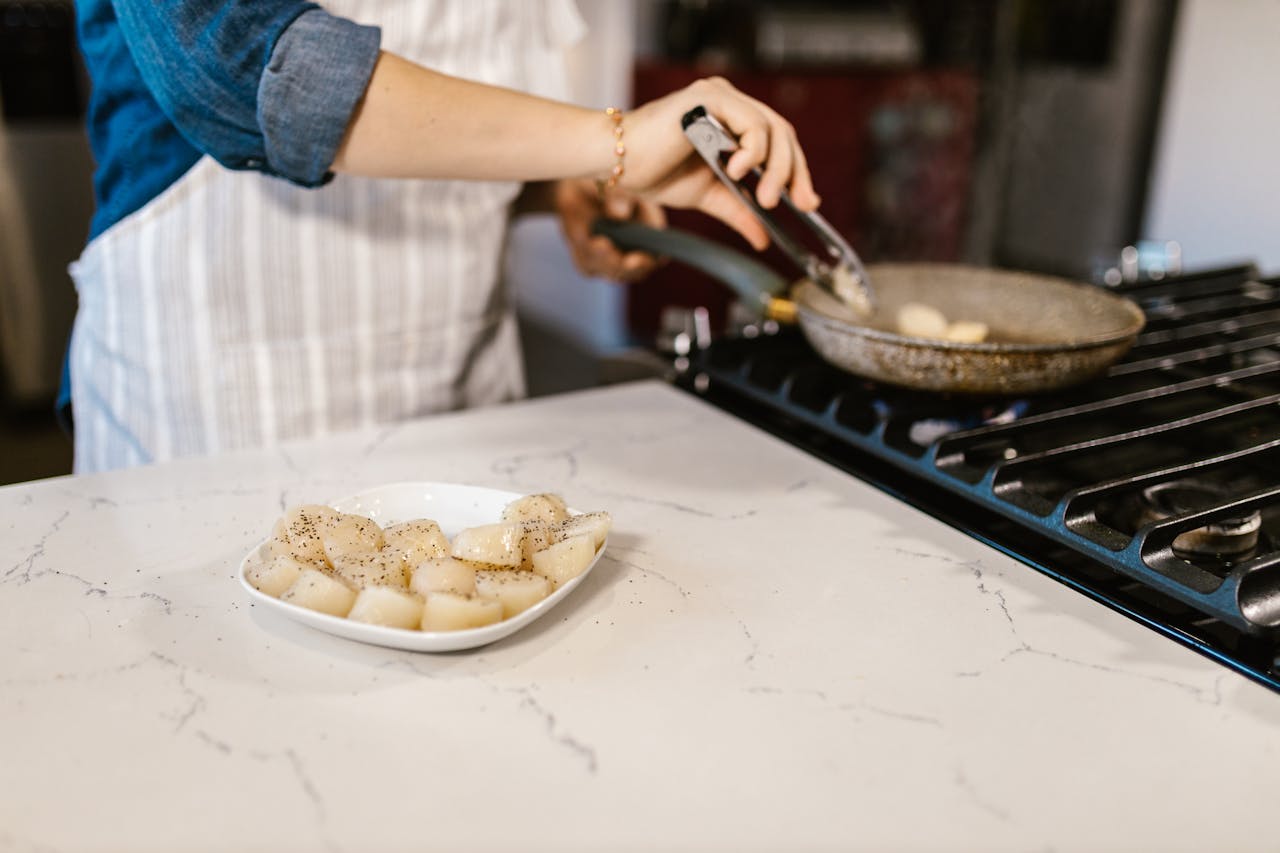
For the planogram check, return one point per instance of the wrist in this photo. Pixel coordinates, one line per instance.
(619, 166)
(602, 142)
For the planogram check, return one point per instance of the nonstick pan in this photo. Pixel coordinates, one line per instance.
(1044, 332)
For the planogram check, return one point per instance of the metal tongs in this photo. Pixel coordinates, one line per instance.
(843, 276)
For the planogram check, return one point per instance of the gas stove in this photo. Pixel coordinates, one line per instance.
(1153, 489)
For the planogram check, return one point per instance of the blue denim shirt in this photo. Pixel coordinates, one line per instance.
(256, 84)
(268, 85)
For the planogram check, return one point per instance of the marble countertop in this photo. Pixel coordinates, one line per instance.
(772, 655)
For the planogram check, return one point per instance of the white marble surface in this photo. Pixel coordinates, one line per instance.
(772, 656)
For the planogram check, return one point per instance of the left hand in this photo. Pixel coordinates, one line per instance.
(579, 203)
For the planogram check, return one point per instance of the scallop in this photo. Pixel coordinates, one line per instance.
(917, 320)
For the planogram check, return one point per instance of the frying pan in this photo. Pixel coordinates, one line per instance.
(1045, 333)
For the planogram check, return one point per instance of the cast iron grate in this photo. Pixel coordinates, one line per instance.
(1154, 488)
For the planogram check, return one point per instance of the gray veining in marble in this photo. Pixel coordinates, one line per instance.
(771, 656)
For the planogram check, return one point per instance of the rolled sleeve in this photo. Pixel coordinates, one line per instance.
(268, 85)
(317, 75)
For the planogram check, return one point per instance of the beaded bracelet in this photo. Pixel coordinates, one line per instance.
(619, 149)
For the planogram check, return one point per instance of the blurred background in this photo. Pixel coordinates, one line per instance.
(1039, 134)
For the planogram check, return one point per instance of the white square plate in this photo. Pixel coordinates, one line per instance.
(454, 507)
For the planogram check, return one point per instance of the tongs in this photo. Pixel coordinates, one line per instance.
(843, 276)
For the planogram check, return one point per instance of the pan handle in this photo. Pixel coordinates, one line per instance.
(757, 285)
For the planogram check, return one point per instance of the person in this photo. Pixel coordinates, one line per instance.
(301, 210)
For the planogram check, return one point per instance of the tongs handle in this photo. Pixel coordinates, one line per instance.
(711, 140)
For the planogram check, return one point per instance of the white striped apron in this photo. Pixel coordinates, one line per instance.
(237, 310)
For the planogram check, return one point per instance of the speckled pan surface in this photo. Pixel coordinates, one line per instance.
(1045, 332)
(454, 507)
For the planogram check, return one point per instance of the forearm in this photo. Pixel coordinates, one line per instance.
(418, 123)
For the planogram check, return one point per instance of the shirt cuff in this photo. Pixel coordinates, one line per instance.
(318, 72)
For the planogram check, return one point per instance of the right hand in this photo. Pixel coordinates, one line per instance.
(662, 166)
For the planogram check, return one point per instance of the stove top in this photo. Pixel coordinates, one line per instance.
(1154, 489)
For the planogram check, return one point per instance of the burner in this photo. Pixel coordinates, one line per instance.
(1231, 537)
(928, 430)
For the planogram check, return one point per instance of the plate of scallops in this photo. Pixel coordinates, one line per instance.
(431, 567)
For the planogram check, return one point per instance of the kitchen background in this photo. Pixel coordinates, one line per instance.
(1040, 134)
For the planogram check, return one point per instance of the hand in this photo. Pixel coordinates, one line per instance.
(662, 166)
(578, 202)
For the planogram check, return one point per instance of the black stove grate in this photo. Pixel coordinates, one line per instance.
(1154, 488)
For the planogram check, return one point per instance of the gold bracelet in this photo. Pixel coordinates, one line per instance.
(619, 149)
